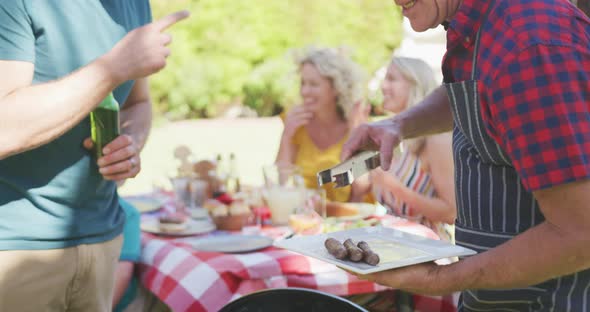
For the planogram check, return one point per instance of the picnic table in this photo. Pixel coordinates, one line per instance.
(191, 280)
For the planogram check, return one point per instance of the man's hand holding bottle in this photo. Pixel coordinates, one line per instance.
(140, 53)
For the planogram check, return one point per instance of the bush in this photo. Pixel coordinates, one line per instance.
(232, 52)
(270, 87)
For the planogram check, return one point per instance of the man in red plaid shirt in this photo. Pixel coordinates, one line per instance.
(517, 96)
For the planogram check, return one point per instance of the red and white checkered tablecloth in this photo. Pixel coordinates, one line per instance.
(190, 280)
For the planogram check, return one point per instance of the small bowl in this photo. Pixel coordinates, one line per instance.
(231, 222)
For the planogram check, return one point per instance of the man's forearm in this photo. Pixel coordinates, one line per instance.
(37, 114)
(136, 121)
(432, 115)
(539, 254)
(136, 114)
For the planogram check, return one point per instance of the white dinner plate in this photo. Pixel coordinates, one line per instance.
(194, 227)
(198, 213)
(395, 248)
(230, 243)
(144, 204)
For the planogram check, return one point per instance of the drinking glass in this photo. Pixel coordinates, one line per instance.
(283, 191)
(315, 199)
(308, 218)
(180, 186)
(198, 192)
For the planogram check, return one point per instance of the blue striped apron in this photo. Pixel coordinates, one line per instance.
(493, 207)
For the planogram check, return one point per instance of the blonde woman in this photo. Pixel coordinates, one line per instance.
(420, 185)
(315, 130)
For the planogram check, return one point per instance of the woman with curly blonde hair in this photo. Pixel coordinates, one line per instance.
(315, 130)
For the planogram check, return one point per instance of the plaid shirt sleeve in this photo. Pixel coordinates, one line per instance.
(540, 108)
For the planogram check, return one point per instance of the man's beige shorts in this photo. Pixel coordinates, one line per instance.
(78, 278)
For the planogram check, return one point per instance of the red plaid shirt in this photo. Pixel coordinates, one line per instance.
(534, 83)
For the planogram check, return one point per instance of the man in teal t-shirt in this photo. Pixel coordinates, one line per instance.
(60, 221)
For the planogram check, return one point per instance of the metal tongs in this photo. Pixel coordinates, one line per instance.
(344, 173)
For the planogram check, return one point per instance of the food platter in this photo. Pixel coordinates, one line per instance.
(395, 248)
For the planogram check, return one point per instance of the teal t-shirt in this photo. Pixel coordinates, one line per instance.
(131, 250)
(53, 196)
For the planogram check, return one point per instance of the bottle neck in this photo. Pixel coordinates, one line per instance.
(109, 103)
(232, 167)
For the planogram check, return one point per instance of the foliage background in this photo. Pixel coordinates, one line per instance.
(232, 52)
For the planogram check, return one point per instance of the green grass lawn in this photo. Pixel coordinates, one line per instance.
(254, 142)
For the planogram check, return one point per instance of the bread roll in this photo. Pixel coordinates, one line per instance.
(339, 209)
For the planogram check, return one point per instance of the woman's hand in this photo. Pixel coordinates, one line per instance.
(359, 114)
(360, 187)
(387, 188)
(120, 160)
(297, 117)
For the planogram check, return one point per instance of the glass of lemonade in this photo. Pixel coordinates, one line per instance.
(283, 191)
(308, 218)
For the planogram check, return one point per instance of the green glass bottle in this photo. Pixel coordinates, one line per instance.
(104, 124)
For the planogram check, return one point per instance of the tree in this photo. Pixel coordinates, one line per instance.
(240, 51)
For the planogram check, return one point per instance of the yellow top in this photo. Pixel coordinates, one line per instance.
(312, 159)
